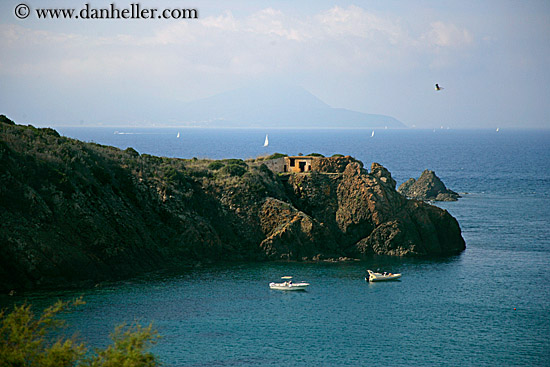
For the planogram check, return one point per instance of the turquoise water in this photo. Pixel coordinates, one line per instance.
(488, 306)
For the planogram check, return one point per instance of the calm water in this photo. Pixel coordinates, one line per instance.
(488, 306)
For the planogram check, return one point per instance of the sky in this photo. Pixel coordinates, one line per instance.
(382, 56)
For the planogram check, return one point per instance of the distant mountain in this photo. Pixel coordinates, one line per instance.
(275, 106)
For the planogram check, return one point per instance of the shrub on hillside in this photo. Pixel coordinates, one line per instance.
(234, 170)
(27, 340)
(216, 165)
(4, 119)
(239, 162)
(276, 156)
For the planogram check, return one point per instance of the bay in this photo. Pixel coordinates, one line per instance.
(488, 306)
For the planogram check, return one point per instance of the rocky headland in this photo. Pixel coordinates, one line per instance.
(428, 187)
(72, 211)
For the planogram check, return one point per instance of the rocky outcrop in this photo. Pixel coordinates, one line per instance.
(363, 215)
(73, 212)
(332, 164)
(292, 234)
(427, 187)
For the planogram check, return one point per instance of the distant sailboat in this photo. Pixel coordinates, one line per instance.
(266, 142)
(178, 135)
(372, 135)
(498, 129)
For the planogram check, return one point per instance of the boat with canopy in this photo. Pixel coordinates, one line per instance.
(380, 277)
(288, 285)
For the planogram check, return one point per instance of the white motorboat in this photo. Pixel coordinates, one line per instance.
(288, 285)
(380, 277)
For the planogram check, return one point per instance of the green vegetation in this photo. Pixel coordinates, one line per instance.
(238, 162)
(276, 156)
(26, 340)
(234, 170)
(132, 152)
(5, 120)
(316, 155)
(337, 155)
(216, 165)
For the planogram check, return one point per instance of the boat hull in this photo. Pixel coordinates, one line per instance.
(384, 278)
(379, 277)
(289, 287)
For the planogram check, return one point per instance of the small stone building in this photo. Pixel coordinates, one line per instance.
(294, 164)
(298, 164)
(305, 164)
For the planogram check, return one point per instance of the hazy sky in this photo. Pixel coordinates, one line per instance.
(384, 56)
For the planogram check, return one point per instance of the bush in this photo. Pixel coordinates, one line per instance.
(4, 119)
(316, 155)
(239, 162)
(101, 174)
(152, 159)
(171, 175)
(337, 155)
(234, 170)
(29, 341)
(50, 131)
(128, 348)
(276, 156)
(131, 151)
(199, 173)
(264, 169)
(214, 166)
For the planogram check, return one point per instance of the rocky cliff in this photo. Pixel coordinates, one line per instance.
(73, 212)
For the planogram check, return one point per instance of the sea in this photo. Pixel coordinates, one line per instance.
(488, 306)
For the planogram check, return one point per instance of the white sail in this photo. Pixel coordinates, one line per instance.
(266, 142)
(372, 135)
(178, 134)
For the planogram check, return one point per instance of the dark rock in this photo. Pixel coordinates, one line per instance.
(427, 187)
(292, 234)
(333, 164)
(377, 170)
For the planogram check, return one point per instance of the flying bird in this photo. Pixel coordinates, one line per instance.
(438, 88)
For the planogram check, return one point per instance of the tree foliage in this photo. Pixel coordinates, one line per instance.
(128, 349)
(234, 170)
(27, 340)
(4, 119)
(216, 165)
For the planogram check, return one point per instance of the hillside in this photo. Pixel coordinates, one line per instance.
(73, 212)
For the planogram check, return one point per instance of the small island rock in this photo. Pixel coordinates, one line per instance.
(427, 187)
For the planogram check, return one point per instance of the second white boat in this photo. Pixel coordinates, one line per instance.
(380, 277)
(288, 285)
